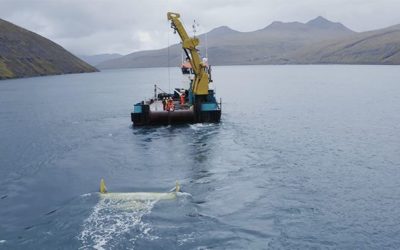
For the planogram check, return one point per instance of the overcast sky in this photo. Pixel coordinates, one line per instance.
(87, 27)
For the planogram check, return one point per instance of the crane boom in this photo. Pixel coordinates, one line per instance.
(201, 77)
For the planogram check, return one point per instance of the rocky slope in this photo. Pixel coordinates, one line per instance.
(25, 54)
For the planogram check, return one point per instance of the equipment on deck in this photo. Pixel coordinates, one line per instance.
(139, 195)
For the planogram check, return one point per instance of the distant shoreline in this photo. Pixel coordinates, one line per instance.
(233, 65)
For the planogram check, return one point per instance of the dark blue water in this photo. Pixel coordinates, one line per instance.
(305, 157)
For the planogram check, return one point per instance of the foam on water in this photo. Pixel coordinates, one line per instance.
(198, 126)
(183, 194)
(112, 219)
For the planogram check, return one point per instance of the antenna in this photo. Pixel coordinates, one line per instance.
(206, 45)
(195, 27)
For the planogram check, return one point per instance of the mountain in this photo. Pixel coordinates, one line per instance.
(24, 54)
(96, 59)
(322, 23)
(373, 47)
(318, 41)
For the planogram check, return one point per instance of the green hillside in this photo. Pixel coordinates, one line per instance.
(25, 54)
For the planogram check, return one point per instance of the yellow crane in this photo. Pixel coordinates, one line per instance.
(201, 76)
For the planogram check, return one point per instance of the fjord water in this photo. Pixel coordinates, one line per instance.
(304, 157)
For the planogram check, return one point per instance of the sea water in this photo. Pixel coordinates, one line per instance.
(304, 157)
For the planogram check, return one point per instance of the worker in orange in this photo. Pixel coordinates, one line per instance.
(182, 98)
(170, 105)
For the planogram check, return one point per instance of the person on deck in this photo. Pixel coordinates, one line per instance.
(164, 103)
(170, 105)
(182, 98)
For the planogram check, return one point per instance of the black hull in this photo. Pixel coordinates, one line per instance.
(159, 118)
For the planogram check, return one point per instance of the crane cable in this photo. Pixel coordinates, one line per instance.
(169, 72)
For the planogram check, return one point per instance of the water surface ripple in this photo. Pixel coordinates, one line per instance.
(305, 157)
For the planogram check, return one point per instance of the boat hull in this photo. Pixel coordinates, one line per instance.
(153, 118)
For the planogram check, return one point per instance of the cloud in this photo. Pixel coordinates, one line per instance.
(123, 26)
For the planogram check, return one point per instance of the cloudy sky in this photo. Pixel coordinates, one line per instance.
(87, 27)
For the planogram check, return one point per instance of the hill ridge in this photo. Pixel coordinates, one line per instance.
(313, 42)
(24, 53)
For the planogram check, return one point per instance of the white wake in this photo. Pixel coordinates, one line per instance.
(114, 219)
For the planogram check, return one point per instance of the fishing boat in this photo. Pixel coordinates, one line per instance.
(196, 104)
